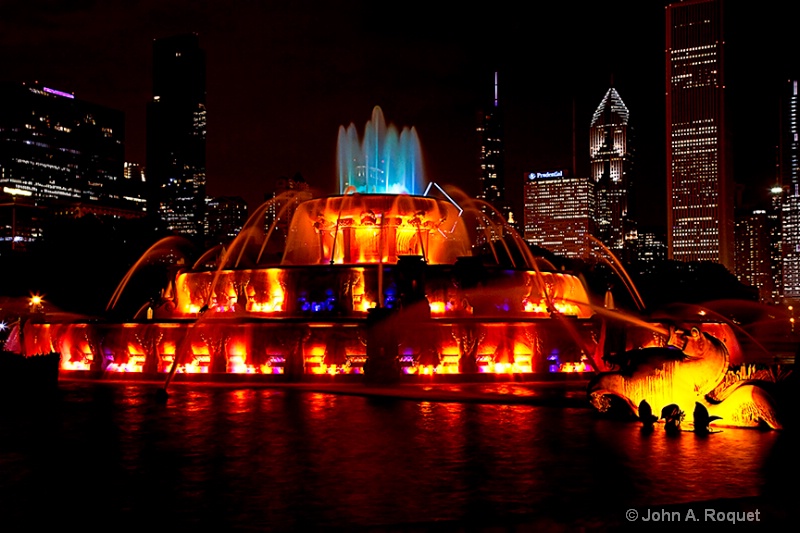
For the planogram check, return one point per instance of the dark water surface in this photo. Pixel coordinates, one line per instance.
(109, 457)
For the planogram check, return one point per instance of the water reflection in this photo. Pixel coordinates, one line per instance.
(282, 459)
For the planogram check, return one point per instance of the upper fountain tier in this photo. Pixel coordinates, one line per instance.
(385, 161)
(375, 228)
(380, 215)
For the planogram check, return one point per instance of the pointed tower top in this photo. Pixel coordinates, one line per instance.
(611, 110)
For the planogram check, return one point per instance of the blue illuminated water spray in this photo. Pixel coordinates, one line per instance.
(384, 161)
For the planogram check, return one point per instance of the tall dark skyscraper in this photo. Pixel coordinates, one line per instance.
(492, 156)
(789, 170)
(176, 135)
(700, 190)
(611, 158)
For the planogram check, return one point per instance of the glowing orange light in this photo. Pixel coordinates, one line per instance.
(437, 308)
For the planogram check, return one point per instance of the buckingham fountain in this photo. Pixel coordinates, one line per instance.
(393, 277)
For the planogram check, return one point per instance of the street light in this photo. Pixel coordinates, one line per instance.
(36, 304)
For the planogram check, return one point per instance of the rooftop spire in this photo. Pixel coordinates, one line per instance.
(495, 88)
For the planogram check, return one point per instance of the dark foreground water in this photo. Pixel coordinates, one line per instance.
(110, 457)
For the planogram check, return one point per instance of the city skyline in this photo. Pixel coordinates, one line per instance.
(280, 83)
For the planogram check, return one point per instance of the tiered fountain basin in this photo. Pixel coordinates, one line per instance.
(453, 312)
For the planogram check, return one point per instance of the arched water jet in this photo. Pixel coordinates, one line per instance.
(222, 264)
(705, 313)
(347, 191)
(611, 260)
(492, 227)
(183, 348)
(253, 229)
(289, 199)
(629, 319)
(215, 253)
(163, 247)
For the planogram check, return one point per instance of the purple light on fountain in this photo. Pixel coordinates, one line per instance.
(384, 161)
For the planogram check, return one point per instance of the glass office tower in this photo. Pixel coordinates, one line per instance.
(700, 201)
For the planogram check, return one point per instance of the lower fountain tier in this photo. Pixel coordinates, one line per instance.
(221, 346)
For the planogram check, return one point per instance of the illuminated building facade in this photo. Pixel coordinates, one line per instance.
(774, 211)
(559, 212)
(789, 167)
(134, 184)
(55, 146)
(753, 258)
(611, 159)
(226, 216)
(699, 180)
(176, 136)
(651, 249)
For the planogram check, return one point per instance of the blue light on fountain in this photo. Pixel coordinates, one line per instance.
(385, 161)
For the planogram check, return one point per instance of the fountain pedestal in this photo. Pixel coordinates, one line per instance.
(382, 365)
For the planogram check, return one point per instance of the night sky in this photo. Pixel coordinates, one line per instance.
(283, 76)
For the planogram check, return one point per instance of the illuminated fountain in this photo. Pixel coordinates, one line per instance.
(457, 289)
(402, 277)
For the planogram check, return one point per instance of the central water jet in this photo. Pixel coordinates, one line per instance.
(384, 161)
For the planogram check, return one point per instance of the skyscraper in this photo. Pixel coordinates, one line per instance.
(559, 212)
(176, 135)
(492, 156)
(55, 146)
(774, 212)
(699, 180)
(752, 255)
(611, 159)
(789, 170)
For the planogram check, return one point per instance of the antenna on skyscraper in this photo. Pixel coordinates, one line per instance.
(495, 88)
(574, 147)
